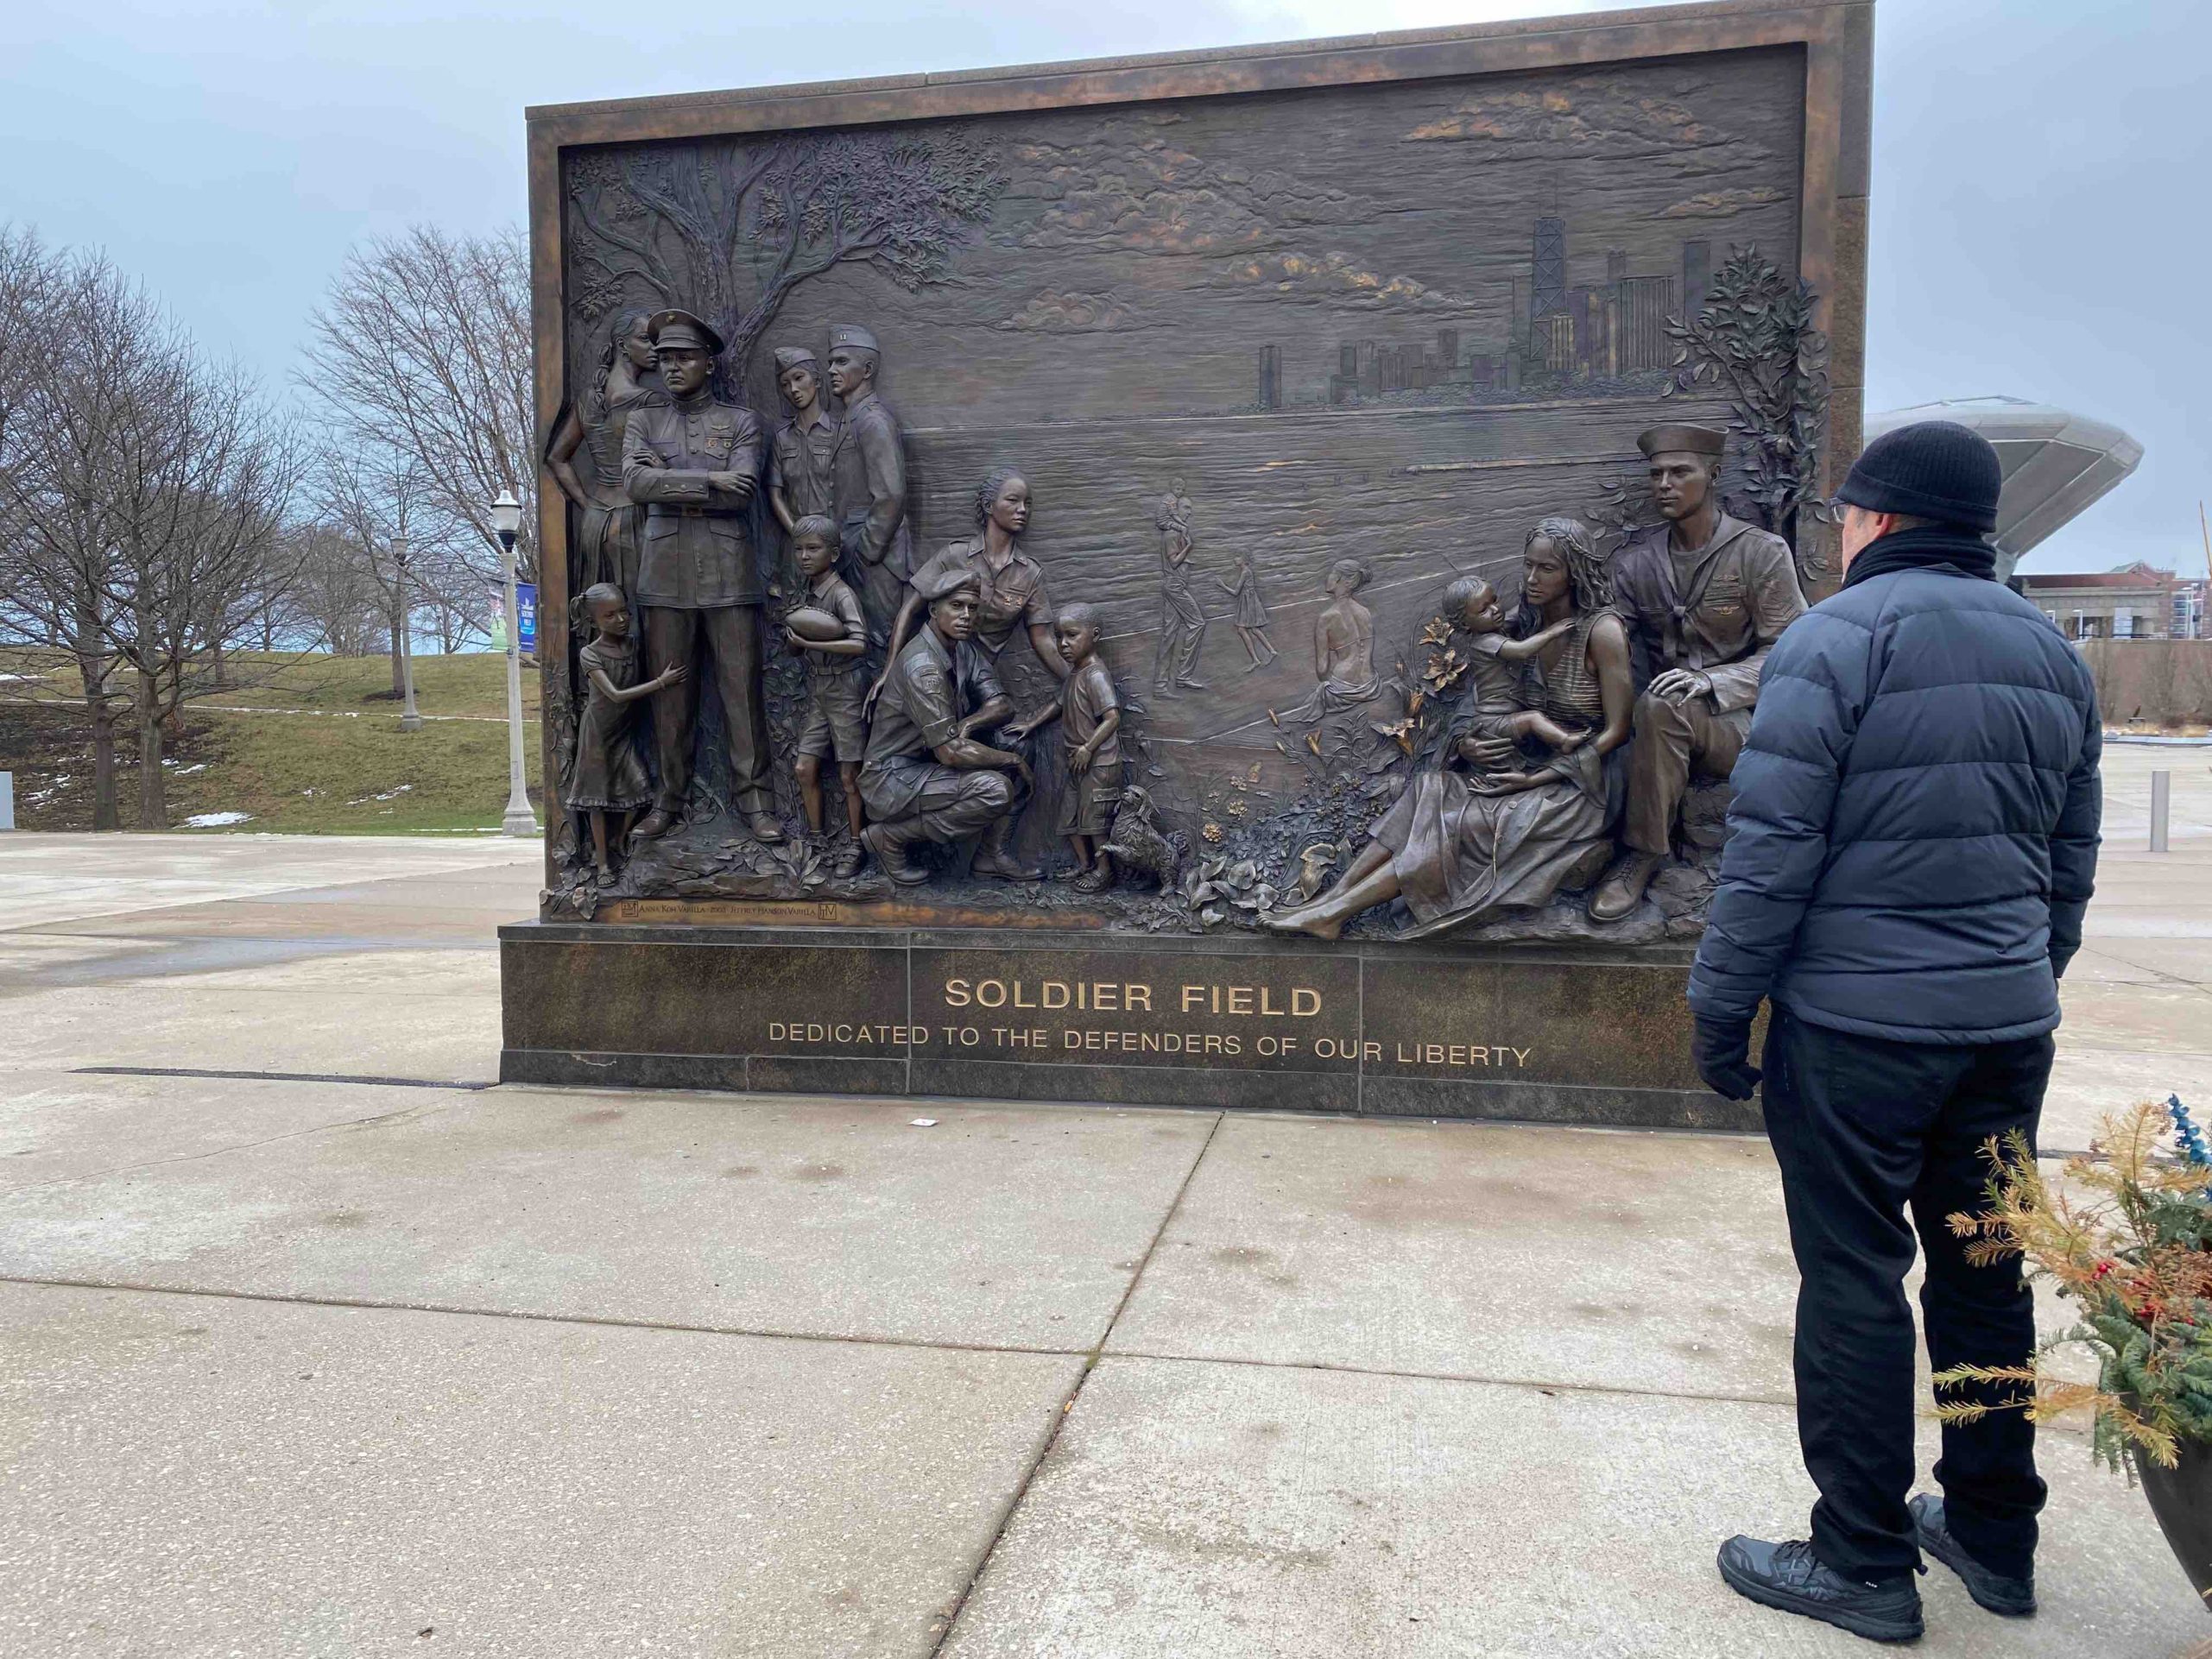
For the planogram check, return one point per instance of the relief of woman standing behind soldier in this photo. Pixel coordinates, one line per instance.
(605, 547)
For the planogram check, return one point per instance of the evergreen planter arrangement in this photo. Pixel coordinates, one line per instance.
(2134, 1253)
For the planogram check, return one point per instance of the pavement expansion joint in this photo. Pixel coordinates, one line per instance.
(277, 1076)
(951, 1615)
(1540, 1384)
(401, 1115)
(605, 1321)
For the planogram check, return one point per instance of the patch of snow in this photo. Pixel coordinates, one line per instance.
(19, 679)
(217, 820)
(197, 765)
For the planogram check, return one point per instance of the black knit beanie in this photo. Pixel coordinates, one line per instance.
(1932, 470)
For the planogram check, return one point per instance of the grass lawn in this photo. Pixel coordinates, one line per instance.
(318, 754)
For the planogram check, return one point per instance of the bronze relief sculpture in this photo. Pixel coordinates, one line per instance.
(1010, 584)
(928, 776)
(693, 462)
(1516, 775)
(1011, 595)
(1494, 825)
(828, 631)
(1359, 350)
(607, 785)
(810, 466)
(1249, 616)
(1182, 619)
(1705, 597)
(1089, 710)
(605, 548)
(870, 481)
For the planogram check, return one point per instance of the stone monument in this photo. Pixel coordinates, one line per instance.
(1482, 384)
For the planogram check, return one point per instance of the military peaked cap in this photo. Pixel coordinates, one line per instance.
(852, 334)
(679, 331)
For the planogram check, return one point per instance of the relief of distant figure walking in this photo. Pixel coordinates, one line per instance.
(1182, 619)
(1251, 612)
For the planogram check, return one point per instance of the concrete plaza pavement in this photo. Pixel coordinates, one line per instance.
(312, 1341)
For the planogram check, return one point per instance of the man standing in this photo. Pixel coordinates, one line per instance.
(871, 511)
(1915, 833)
(927, 777)
(693, 462)
(1705, 597)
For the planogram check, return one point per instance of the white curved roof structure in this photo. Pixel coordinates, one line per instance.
(2056, 463)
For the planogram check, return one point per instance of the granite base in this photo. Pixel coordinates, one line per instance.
(1438, 1031)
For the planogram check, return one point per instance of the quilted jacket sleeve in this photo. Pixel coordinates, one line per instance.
(1814, 690)
(2074, 841)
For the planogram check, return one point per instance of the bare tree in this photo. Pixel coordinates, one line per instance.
(145, 490)
(331, 602)
(44, 601)
(420, 356)
(366, 499)
(732, 232)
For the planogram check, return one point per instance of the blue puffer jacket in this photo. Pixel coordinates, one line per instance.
(1915, 820)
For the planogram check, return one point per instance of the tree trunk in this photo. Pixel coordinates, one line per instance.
(94, 665)
(104, 815)
(222, 677)
(152, 787)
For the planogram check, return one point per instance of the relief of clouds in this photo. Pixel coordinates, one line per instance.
(1338, 278)
(1722, 203)
(1050, 311)
(1128, 188)
(1583, 117)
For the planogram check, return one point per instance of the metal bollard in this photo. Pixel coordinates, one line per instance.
(2162, 789)
(7, 800)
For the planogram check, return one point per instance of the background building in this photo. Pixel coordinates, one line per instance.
(2135, 601)
(2056, 463)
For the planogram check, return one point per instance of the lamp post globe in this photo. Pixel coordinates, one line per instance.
(505, 519)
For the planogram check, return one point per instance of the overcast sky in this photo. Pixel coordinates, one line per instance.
(2041, 167)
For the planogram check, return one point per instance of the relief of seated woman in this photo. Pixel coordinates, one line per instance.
(1505, 821)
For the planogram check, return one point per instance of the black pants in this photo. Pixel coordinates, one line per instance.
(1864, 1129)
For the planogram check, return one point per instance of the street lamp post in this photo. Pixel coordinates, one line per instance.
(410, 721)
(507, 519)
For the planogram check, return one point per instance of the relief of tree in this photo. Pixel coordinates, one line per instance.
(729, 228)
(1753, 340)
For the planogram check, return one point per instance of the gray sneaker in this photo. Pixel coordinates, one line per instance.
(1791, 1577)
(2013, 1598)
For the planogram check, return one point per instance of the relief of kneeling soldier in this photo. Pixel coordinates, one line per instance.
(1705, 597)
(927, 776)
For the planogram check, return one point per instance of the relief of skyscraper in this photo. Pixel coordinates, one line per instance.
(1548, 290)
(1645, 303)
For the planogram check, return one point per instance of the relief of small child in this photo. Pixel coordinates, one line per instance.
(608, 777)
(1090, 713)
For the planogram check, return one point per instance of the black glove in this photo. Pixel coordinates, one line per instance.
(1722, 1049)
